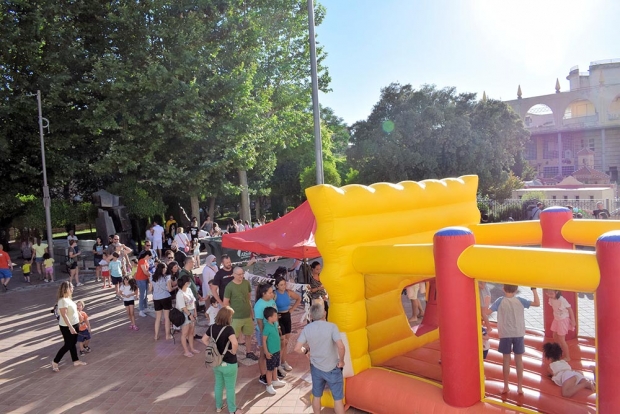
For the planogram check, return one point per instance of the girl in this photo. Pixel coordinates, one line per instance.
(283, 298)
(185, 302)
(129, 291)
(116, 272)
(317, 291)
(85, 329)
(562, 374)
(563, 319)
(74, 269)
(214, 308)
(97, 257)
(48, 263)
(485, 303)
(69, 324)
(161, 286)
(105, 270)
(196, 253)
(264, 298)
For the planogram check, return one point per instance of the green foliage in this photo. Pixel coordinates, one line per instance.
(330, 176)
(62, 212)
(533, 196)
(141, 202)
(352, 177)
(504, 189)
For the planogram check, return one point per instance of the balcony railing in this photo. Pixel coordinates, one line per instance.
(581, 120)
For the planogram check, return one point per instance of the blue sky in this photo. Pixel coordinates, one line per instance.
(474, 45)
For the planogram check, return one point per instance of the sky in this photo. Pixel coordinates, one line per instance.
(473, 45)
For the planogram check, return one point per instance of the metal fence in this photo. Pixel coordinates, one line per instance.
(517, 209)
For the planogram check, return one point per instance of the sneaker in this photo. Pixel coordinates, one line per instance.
(263, 379)
(270, 390)
(82, 353)
(281, 374)
(278, 383)
(87, 349)
(79, 284)
(46, 281)
(286, 367)
(142, 314)
(250, 355)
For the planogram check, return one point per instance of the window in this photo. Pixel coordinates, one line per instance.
(554, 197)
(530, 150)
(550, 172)
(565, 197)
(576, 197)
(591, 144)
(550, 148)
(591, 197)
(567, 170)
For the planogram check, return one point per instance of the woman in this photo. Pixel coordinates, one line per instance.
(74, 269)
(186, 303)
(283, 302)
(160, 287)
(225, 375)
(173, 271)
(208, 273)
(182, 240)
(98, 257)
(216, 231)
(150, 233)
(69, 325)
(317, 291)
(27, 250)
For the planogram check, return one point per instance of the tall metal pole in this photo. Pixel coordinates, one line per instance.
(318, 147)
(46, 190)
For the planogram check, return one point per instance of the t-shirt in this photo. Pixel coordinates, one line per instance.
(601, 214)
(185, 300)
(98, 249)
(510, 316)
(26, 268)
(193, 232)
(212, 313)
(72, 312)
(557, 368)
(259, 308)
(140, 274)
(126, 290)
(83, 319)
(5, 260)
(273, 337)
(158, 232)
(238, 294)
(115, 268)
(214, 331)
(192, 280)
(560, 308)
(321, 336)
(160, 288)
(180, 257)
(39, 250)
(104, 265)
(47, 263)
(221, 279)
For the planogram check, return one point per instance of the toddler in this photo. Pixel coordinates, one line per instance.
(563, 319)
(271, 347)
(48, 264)
(214, 308)
(84, 329)
(105, 271)
(562, 374)
(26, 271)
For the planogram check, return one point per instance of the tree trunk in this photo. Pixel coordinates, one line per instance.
(193, 201)
(244, 212)
(212, 207)
(257, 207)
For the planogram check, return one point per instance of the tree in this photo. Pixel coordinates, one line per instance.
(435, 133)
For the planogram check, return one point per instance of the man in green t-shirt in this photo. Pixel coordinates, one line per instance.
(237, 296)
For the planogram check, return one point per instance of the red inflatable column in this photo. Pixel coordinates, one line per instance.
(552, 220)
(607, 317)
(458, 327)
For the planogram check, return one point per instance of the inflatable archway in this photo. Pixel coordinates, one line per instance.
(375, 240)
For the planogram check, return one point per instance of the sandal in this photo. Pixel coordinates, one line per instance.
(188, 354)
(55, 367)
(219, 410)
(79, 363)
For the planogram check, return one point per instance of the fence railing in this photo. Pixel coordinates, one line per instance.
(517, 209)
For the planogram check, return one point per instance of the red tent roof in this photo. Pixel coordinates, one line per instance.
(288, 236)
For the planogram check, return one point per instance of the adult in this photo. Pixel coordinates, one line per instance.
(537, 210)
(321, 341)
(216, 231)
(207, 225)
(182, 241)
(6, 268)
(173, 270)
(168, 256)
(142, 278)
(317, 291)
(187, 271)
(208, 273)
(68, 322)
(158, 237)
(226, 374)
(27, 250)
(186, 303)
(148, 246)
(601, 213)
(98, 249)
(179, 256)
(71, 236)
(74, 254)
(237, 295)
(39, 250)
(283, 298)
(122, 250)
(222, 278)
(148, 234)
(160, 287)
(193, 229)
(169, 229)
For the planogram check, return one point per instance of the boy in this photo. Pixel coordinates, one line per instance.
(84, 329)
(212, 311)
(26, 271)
(271, 345)
(511, 327)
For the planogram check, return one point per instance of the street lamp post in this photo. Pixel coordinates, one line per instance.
(318, 147)
(46, 190)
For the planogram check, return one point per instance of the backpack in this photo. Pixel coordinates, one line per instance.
(176, 317)
(213, 358)
(55, 312)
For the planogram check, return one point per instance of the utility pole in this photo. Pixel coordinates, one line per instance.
(318, 147)
(46, 190)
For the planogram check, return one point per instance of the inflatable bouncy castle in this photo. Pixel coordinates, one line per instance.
(375, 240)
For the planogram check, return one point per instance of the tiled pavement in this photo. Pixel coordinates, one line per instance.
(128, 371)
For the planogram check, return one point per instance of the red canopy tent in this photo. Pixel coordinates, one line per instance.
(289, 236)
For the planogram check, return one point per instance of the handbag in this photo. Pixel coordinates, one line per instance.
(177, 318)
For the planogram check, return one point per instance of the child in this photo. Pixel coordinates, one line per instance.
(48, 263)
(563, 319)
(129, 291)
(134, 268)
(105, 271)
(26, 271)
(486, 345)
(196, 253)
(511, 328)
(214, 308)
(485, 302)
(562, 374)
(116, 273)
(271, 347)
(84, 331)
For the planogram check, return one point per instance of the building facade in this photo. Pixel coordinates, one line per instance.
(563, 124)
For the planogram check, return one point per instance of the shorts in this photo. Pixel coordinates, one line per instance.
(413, 291)
(561, 377)
(187, 320)
(245, 326)
(560, 326)
(259, 337)
(485, 353)
(38, 259)
(284, 320)
(163, 304)
(332, 378)
(83, 335)
(274, 362)
(96, 261)
(508, 345)
(105, 273)
(117, 280)
(49, 270)
(157, 245)
(129, 302)
(5, 274)
(73, 265)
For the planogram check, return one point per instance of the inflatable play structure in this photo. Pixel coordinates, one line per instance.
(376, 240)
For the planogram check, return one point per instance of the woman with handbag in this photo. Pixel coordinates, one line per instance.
(74, 269)
(186, 303)
(226, 373)
(68, 321)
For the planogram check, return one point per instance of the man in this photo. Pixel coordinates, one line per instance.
(179, 256)
(193, 229)
(142, 278)
(122, 250)
(601, 213)
(158, 237)
(188, 266)
(537, 210)
(169, 224)
(222, 278)
(6, 268)
(321, 341)
(237, 295)
(148, 247)
(39, 250)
